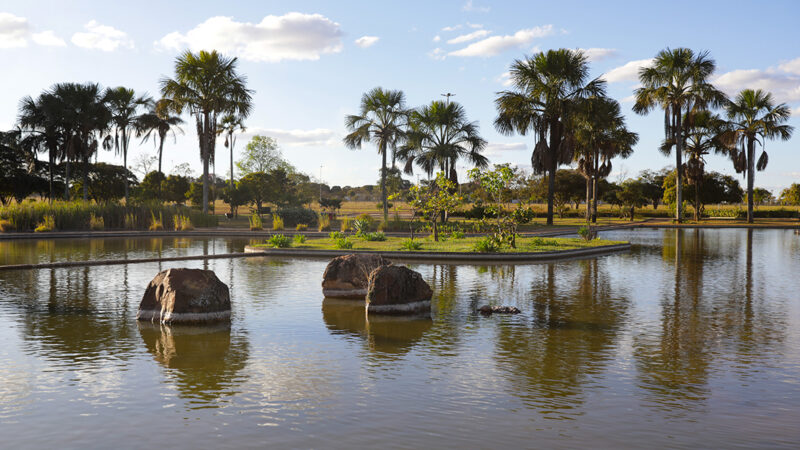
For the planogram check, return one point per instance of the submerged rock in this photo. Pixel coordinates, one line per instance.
(489, 310)
(185, 296)
(397, 290)
(347, 276)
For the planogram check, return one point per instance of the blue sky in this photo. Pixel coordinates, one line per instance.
(310, 62)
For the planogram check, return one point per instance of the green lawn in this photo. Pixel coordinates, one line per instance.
(464, 245)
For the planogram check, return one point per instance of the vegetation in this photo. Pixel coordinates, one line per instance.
(277, 223)
(436, 200)
(256, 224)
(279, 241)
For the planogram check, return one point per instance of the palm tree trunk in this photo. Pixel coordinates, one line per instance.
(50, 173)
(86, 178)
(678, 159)
(66, 181)
(160, 152)
(125, 160)
(230, 141)
(204, 153)
(594, 186)
(751, 153)
(588, 199)
(697, 201)
(383, 182)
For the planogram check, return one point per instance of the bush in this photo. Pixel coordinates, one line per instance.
(256, 224)
(538, 242)
(156, 224)
(337, 235)
(301, 227)
(295, 215)
(411, 245)
(300, 238)
(6, 226)
(277, 222)
(347, 224)
(96, 223)
(376, 236)
(587, 233)
(343, 243)
(324, 223)
(487, 244)
(362, 226)
(48, 223)
(279, 241)
(182, 223)
(457, 234)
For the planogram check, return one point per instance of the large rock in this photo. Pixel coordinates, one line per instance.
(347, 276)
(185, 296)
(397, 290)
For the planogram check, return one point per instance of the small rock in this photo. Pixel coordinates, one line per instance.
(397, 290)
(185, 296)
(489, 310)
(347, 276)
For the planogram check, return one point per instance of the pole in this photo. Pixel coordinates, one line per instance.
(320, 182)
(447, 96)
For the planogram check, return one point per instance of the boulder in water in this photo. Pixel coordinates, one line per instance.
(397, 290)
(347, 276)
(185, 296)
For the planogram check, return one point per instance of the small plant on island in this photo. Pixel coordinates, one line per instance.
(343, 243)
(376, 236)
(334, 235)
(587, 233)
(300, 238)
(182, 223)
(279, 241)
(256, 224)
(502, 222)
(487, 244)
(411, 244)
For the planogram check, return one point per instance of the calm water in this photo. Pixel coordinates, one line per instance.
(690, 339)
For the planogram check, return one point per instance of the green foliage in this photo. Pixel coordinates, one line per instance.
(347, 224)
(151, 187)
(343, 243)
(299, 238)
(262, 154)
(156, 224)
(497, 185)
(362, 225)
(376, 236)
(435, 199)
(716, 188)
(256, 224)
(301, 227)
(791, 195)
(333, 204)
(487, 244)
(411, 245)
(324, 222)
(457, 234)
(538, 242)
(195, 195)
(182, 223)
(379, 206)
(728, 213)
(297, 215)
(587, 233)
(279, 241)
(277, 222)
(175, 187)
(334, 235)
(48, 223)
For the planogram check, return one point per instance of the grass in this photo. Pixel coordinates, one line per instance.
(535, 244)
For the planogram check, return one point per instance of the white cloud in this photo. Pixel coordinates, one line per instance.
(468, 37)
(470, 7)
(366, 41)
(599, 54)
(496, 44)
(297, 138)
(504, 79)
(453, 28)
(784, 85)
(474, 25)
(497, 149)
(437, 38)
(101, 37)
(627, 72)
(48, 38)
(437, 54)
(792, 66)
(292, 36)
(14, 31)
(796, 112)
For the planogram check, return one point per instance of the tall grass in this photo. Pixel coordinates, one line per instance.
(256, 224)
(78, 216)
(277, 223)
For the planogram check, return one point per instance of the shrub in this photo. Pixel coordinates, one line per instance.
(6, 226)
(376, 236)
(343, 243)
(457, 234)
(279, 241)
(347, 224)
(366, 217)
(411, 244)
(156, 224)
(182, 223)
(256, 224)
(300, 238)
(96, 223)
(48, 223)
(301, 227)
(337, 235)
(537, 242)
(324, 223)
(294, 215)
(362, 225)
(587, 233)
(277, 222)
(487, 244)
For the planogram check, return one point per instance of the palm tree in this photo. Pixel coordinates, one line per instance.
(159, 122)
(229, 125)
(125, 106)
(753, 118)
(548, 88)
(600, 135)
(208, 86)
(41, 121)
(438, 135)
(677, 81)
(382, 119)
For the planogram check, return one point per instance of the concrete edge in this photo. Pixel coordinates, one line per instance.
(448, 256)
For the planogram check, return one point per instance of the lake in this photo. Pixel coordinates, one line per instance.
(691, 339)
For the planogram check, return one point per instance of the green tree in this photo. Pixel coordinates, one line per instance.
(126, 119)
(677, 82)
(381, 120)
(762, 196)
(791, 195)
(653, 185)
(150, 189)
(569, 188)
(262, 154)
(548, 88)
(631, 196)
(42, 122)
(174, 188)
(228, 127)
(438, 135)
(717, 188)
(435, 199)
(753, 117)
(206, 85)
(498, 188)
(158, 122)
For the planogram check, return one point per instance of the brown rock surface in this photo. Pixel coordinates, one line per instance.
(185, 296)
(397, 290)
(347, 276)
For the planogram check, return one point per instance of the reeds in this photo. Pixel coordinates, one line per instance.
(256, 224)
(277, 223)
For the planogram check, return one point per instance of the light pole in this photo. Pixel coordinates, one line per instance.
(447, 96)
(320, 183)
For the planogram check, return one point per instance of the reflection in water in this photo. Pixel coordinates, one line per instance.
(204, 361)
(389, 336)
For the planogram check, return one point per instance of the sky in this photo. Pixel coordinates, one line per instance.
(309, 62)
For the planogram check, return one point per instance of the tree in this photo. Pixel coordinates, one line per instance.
(631, 195)
(381, 120)
(206, 85)
(791, 195)
(438, 135)
(150, 189)
(229, 125)
(158, 122)
(262, 154)
(433, 200)
(124, 106)
(762, 196)
(144, 164)
(569, 188)
(600, 135)
(548, 89)
(174, 188)
(42, 123)
(107, 182)
(498, 188)
(677, 82)
(753, 118)
(717, 188)
(653, 185)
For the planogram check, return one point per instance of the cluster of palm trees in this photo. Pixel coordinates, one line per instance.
(71, 122)
(433, 137)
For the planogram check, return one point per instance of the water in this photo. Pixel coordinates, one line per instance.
(689, 340)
